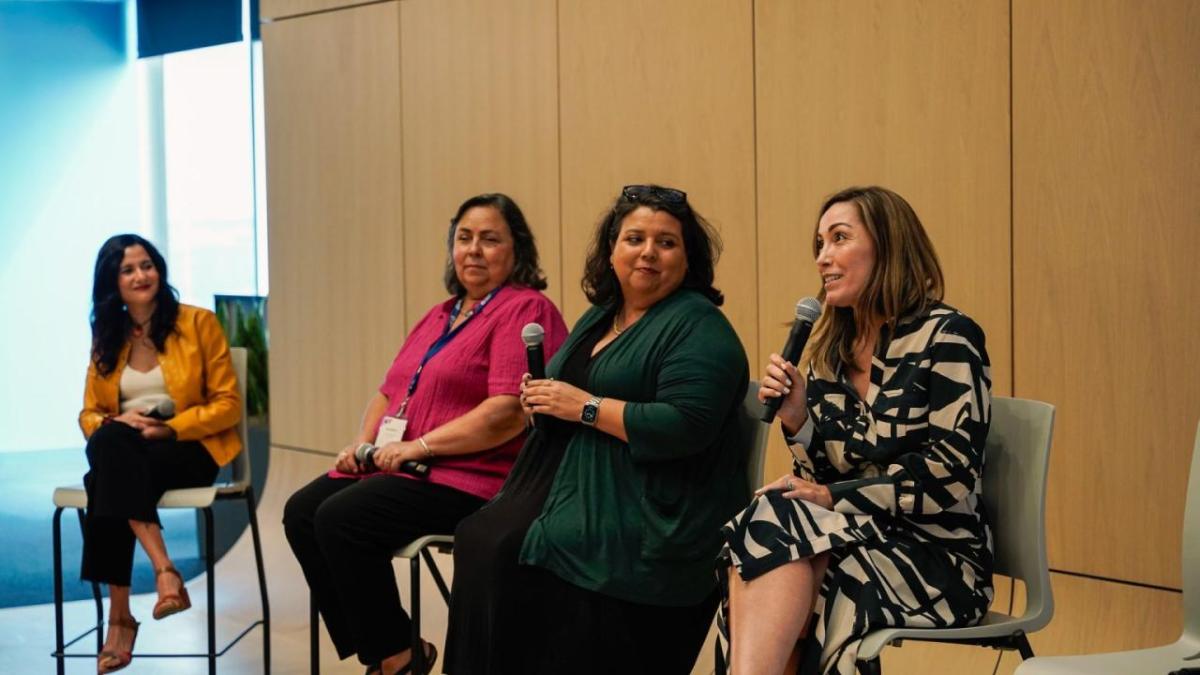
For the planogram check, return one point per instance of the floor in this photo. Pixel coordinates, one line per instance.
(27, 633)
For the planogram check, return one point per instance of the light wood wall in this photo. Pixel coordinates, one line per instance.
(913, 96)
(661, 92)
(1051, 150)
(1106, 166)
(336, 218)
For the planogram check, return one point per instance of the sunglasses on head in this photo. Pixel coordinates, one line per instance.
(664, 194)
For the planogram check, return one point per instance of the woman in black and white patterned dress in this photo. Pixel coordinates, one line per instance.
(881, 523)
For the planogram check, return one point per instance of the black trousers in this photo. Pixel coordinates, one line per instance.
(344, 531)
(127, 476)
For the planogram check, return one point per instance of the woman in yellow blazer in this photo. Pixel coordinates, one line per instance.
(159, 410)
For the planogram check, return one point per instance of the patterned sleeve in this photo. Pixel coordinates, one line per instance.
(808, 461)
(945, 471)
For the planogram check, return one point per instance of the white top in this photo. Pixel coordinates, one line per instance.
(142, 391)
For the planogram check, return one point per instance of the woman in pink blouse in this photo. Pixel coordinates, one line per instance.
(449, 402)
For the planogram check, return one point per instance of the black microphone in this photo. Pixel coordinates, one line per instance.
(163, 410)
(807, 311)
(535, 357)
(364, 454)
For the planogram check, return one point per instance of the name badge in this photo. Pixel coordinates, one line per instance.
(391, 430)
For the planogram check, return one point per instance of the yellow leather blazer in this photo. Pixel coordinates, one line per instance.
(200, 379)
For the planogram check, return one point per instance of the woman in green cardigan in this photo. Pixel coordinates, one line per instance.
(596, 556)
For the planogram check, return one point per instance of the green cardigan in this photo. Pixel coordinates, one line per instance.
(640, 521)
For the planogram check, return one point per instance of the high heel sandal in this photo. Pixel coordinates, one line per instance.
(431, 655)
(110, 661)
(171, 603)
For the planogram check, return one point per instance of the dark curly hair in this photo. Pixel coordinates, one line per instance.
(527, 270)
(701, 243)
(110, 319)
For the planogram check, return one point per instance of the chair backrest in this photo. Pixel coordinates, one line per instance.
(1016, 463)
(754, 434)
(241, 463)
(1191, 547)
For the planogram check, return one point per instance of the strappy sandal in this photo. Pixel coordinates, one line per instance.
(110, 661)
(171, 603)
(431, 655)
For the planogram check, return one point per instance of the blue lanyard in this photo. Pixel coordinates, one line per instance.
(447, 336)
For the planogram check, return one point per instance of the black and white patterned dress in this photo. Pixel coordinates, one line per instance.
(908, 537)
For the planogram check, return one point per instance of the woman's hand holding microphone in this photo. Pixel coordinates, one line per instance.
(552, 397)
(783, 379)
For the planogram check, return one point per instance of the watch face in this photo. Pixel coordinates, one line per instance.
(590, 411)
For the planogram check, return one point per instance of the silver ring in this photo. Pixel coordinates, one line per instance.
(791, 484)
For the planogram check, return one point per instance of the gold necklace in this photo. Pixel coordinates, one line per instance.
(617, 329)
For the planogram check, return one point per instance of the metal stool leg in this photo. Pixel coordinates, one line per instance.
(262, 581)
(418, 651)
(209, 563)
(58, 593)
(96, 598)
(314, 635)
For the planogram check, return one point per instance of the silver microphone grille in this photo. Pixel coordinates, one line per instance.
(532, 334)
(808, 309)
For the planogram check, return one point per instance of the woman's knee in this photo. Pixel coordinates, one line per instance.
(112, 437)
(332, 516)
(298, 513)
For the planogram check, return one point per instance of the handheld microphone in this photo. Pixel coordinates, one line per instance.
(163, 410)
(535, 356)
(807, 312)
(364, 454)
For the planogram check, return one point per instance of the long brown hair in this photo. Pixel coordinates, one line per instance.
(907, 277)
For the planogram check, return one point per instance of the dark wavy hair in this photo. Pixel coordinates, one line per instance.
(701, 243)
(527, 270)
(110, 319)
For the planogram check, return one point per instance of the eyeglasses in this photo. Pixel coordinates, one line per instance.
(665, 194)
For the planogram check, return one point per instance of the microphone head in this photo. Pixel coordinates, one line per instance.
(166, 409)
(533, 334)
(808, 309)
(363, 453)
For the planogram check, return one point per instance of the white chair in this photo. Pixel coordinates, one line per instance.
(1014, 492)
(755, 434)
(202, 498)
(1184, 652)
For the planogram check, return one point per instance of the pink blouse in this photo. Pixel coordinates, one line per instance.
(484, 359)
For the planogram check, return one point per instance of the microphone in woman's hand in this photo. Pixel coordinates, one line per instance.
(535, 357)
(364, 454)
(163, 410)
(808, 310)
(533, 335)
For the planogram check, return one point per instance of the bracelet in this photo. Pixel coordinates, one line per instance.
(425, 446)
(108, 419)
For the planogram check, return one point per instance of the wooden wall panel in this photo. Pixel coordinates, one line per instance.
(1106, 166)
(333, 186)
(279, 9)
(480, 101)
(912, 96)
(660, 92)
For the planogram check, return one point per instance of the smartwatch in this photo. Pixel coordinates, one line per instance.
(591, 410)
